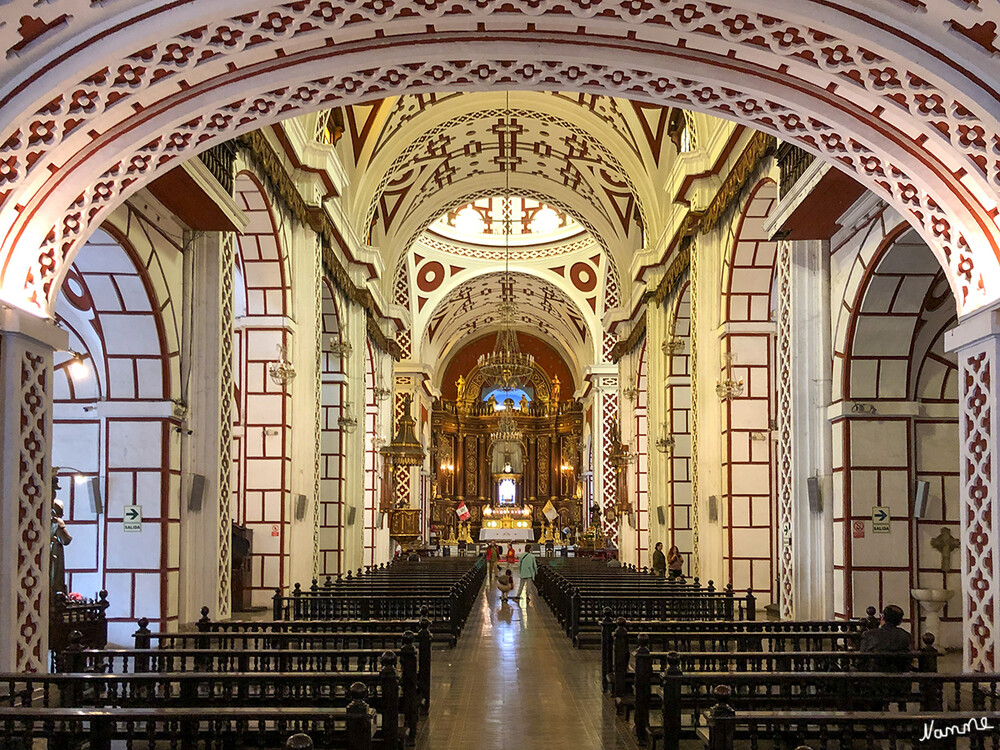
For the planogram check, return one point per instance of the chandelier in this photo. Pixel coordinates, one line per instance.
(506, 366)
(404, 450)
(507, 430)
(282, 372)
(729, 389)
(667, 442)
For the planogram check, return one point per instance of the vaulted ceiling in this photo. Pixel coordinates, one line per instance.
(594, 161)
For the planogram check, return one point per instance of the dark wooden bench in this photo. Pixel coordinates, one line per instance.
(87, 617)
(402, 590)
(189, 690)
(719, 635)
(197, 728)
(856, 730)
(810, 681)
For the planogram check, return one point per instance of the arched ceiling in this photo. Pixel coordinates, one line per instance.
(470, 309)
(592, 157)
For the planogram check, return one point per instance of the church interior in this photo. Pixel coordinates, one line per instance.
(298, 326)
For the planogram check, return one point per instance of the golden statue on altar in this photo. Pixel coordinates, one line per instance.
(465, 532)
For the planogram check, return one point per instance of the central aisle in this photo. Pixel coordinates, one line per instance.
(514, 682)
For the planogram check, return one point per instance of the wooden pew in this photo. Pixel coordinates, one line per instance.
(933, 729)
(256, 637)
(197, 728)
(201, 690)
(811, 681)
(398, 591)
(716, 635)
(87, 617)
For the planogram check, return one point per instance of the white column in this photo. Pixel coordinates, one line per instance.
(605, 380)
(26, 346)
(656, 411)
(976, 343)
(805, 563)
(206, 525)
(355, 331)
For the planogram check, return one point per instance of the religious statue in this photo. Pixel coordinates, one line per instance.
(945, 543)
(57, 551)
(554, 396)
(523, 405)
(460, 387)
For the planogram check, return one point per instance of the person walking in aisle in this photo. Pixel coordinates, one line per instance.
(491, 560)
(659, 561)
(527, 569)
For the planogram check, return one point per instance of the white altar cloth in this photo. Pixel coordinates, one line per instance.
(506, 535)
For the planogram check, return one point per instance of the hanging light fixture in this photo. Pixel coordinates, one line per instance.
(507, 430)
(347, 421)
(506, 366)
(673, 343)
(728, 389)
(281, 372)
(380, 392)
(666, 443)
(340, 347)
(404, 450)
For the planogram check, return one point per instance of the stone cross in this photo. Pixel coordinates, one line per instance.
(945, 543)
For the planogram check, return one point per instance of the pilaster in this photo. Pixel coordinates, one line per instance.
(976, 343)
(206, 527)
(26, 347)
(805, 533)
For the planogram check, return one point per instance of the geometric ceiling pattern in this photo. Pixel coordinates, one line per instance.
(542, 308)
(490, 143)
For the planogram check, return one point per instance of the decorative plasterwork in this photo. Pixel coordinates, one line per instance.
(259, 151)
(226, 399)
(741, 176)
(471, 307)
(900, 114)
(489, 141)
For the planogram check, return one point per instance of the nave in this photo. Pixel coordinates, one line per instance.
(515, 681)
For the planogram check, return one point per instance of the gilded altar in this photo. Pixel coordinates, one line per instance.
(516, 454)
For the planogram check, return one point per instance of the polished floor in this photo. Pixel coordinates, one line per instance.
(514, 682)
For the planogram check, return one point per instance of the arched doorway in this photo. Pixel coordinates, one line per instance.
(115, 440)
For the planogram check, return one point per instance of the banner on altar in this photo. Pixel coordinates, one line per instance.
(549, 511)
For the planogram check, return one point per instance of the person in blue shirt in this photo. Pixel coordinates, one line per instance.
(528, 566)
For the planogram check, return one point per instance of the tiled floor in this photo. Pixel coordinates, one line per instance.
(514, 682)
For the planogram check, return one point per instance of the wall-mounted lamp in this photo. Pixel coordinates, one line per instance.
(84, 483)
(863, 408)
(448, 467)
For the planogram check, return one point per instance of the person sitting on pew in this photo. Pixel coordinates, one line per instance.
(613, 561)
(888, 639)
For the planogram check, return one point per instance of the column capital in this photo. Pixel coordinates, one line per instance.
(44, 331)
(973, 329)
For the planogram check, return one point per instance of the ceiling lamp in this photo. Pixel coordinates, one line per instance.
(404, 449)
(728, 388)
(506, 366)
(282, 372)
(506, 431)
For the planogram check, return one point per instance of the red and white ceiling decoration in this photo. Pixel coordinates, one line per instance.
(470, 309)
(97, 99)
(486, 221)
(485, 141)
